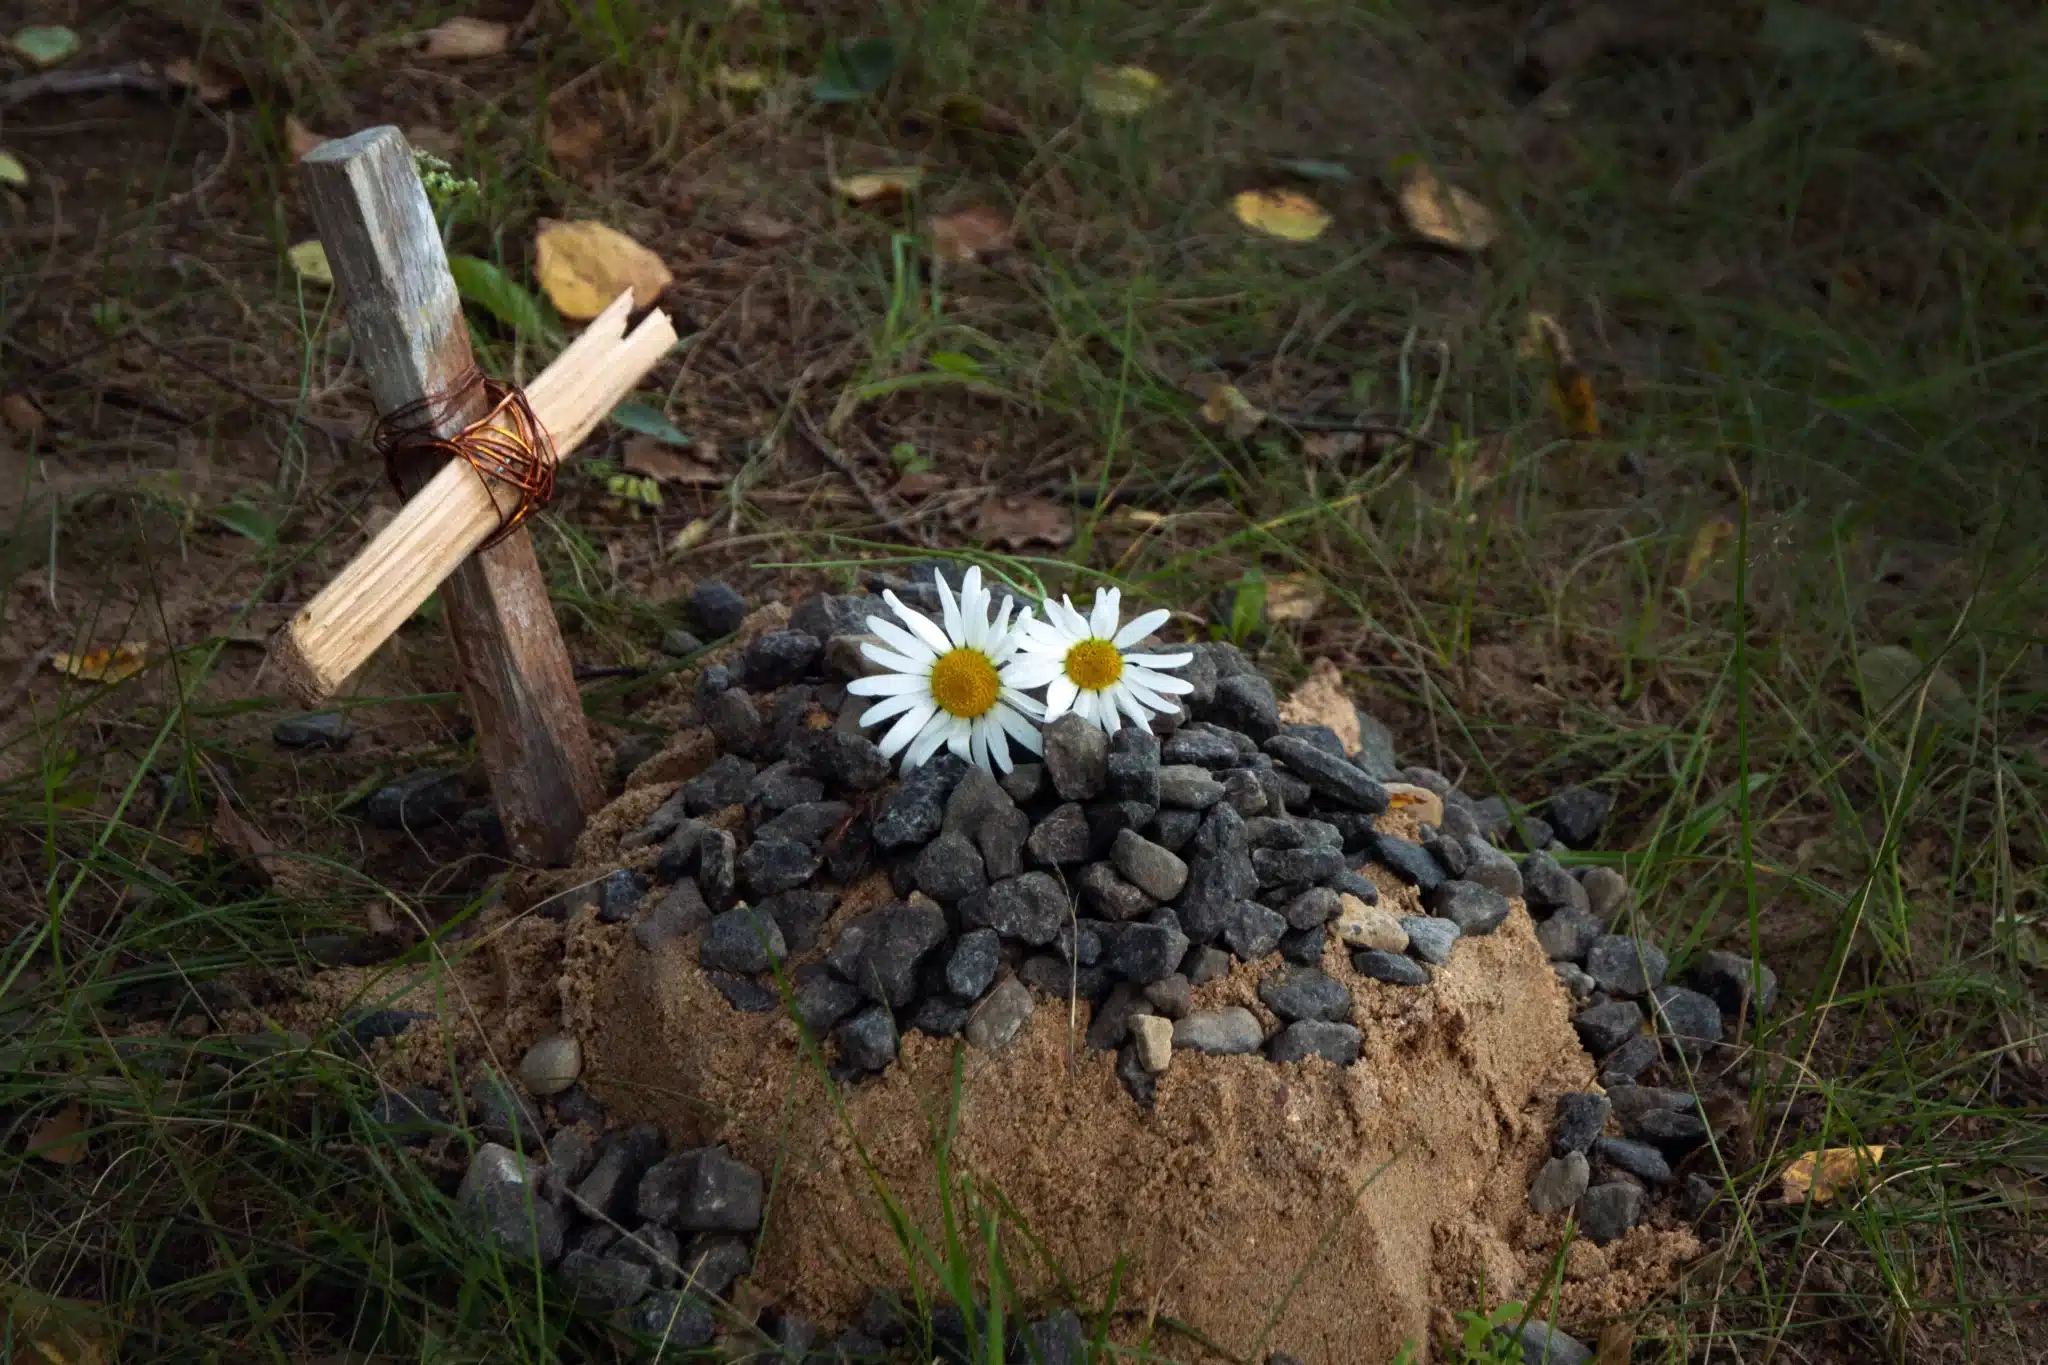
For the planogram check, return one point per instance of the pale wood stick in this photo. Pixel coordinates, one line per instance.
(392, 274)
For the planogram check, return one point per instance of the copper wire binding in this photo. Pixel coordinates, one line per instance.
(506, 445)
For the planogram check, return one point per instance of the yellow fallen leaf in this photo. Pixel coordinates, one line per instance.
(1427, 805)
(309, 259)
(585, 265)
(57, 1138)
(739, 80)
(645, 455)
(1011, 523)
(1444, 214)
(1543, 338)
(1706, 543)
(1228, 408)
(44, 45)
(55, 1331)
(1292, 597)
(109, 666)
(868, 186)
(691, 536)
(1287, 214)
(20, 412)
(1820, 1176)
(1571, 398)
(462, 39)
(972, 233)
(574, 141)
(1122, 90)
(299, 138)
(207, 84)
(1900, 53)
(12, 172)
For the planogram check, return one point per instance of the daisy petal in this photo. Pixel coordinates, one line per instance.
(1133, 708)
(997, 741)
(1023, 731)
(897, 663)
(949, 610)
(1159, 682)
(921, 639)
(1033, 670)
(1060, 696)
(905, 730)
(888, 685)
(930, 742)
(1159, 660)
(922, 626)
(891, 706)
(1139, 628)
(1102, 620)
(1022, 704)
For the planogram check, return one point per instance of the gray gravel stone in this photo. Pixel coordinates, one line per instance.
(654, 1246)
(1061, 839)
(1632, 1101)
(1408, 861)
(710, 1263)
(913, 812)
(1668, 1129)
(881, 951)
(603, 1283)
(703, 1190)
(1577, 814)
(1391, 968)
(321, 730)
(867, 1040)
(1624, 965)
(1205, 746)
(1567, 935)
(718, 858)
(780, 786)
(742, 941)
(1608, 1211)
(1376, 748)
(618, 895)
(1631, 1059)
(950, 868)
(500, 1196)
(1148, 952)
(1336, 1043)
(1575, 981)
(1304, 947)
(1305, 993)
(822, 1000)
(673, 1318)
(1726, 979)
(1607, 893)
(680, 846)
(1170, 996)
(1171, 829)
(845, 759)
(1295, 866)
(607, 1191)
(1490, 866)
(800, 915)
(1158, 873)
(1274, 831)
(1245, 793)
(1430, 938)
(971, 968)
(417, 800)
(552, 1065)
(1548, 887)
(1312, 908)
(716, 609)
(1581, 1114)
(827, 614)
(1560, 1183)
(1542, 1344)
(1603, 1028)
(1057, 1340)
(1639, 1159)
(1247, 702)
(1109, 1024)
(1329, 775)
(507, 1117)
(1230, 1031)
(1450, 852)
(1134, 766)
(1689, 1020)
(1076, 757)
(1251, 931)
(1110, 896)
(682, 911)
(743, 993)
(1188, 787)
(1475, 909)
(776, 864)
(722, 784)
(941, 1016)
(1204, 964)
(1055, 977)
(1000, 1017)
(735, 721)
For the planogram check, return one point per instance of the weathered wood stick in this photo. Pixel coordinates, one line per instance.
(440, 526)
(385, 250)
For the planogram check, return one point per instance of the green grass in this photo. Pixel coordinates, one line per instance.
(1806, 287)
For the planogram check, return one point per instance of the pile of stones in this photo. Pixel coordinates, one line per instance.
(1124, 869)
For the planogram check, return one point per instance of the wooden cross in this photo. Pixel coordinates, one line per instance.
(410, 336)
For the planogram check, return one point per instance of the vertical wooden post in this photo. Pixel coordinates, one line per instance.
(406, 317)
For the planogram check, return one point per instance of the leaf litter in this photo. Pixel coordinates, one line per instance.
(466, 39)
(583, 265)
(1122, 91)
(1445, 215)
(1287, 214)
(110, 666)
(972, 234)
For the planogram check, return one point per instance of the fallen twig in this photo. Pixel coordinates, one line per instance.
(140, 78)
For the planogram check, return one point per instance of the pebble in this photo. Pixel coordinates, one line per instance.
(1607, 1211)
(1148, 952)
(1408, 861)
(1329, 775)
(867, 1040)
(1639, 1159)
(1696, 1196)
(703, 1190)
(1577, 814)
(1204, 964)
(321, 730)
(716, 609)
(1370, 926)
(1024, 783)
(1158, 873)
(827, 614)
(1337, 1043)
(723, 784)
(1140, 1084)
(1188, 786)
(500, 1197)
(1205, 746)
(1630, 1101)
(822, 1000)
(1560, 1183)
(892, 941)
(1170, 995)
(1631, 1059)
(1392, 968)
(1450, 853)
(1567, 935)
(950, 869)
(1459, 823)
(1061, 838)
(1430, 938)
(971, 968)
(552, 1065)
(599, 1283)
(742, 940)
(1376, 753)
(416, 800)
(1581, 1114)
(1230, 1031)
(1534, 832)
(412, 1116)
(1109, 1023)
(1251, 931)
(782, 786)
(1542, 1344)
(850, 760)
(1274, 831)
(1575, 981)
(1426, 805)
(913, 812)
(1726, 979)
(1134, 766)
(774, 864)
(1548, 887)
(710, 1264)
(1304, 947)
(1295, 866)
(1056, 978)
(1606, 892)
(800, 915)
(1603, 1028)
(1667, 1128)
(1171, 829)
(678, 643)
(1076, 757)
(1305, 993)
(680, 847)
(1244, 792)
(1152, 1037)
(571, 1151)
(1000, 1017)
(1624, 965)
(940, 1016)
(1475, 909)
(674, 1319)
(743, 993)
(735, 721)
(506, 1116)
(622, 1158)
(1110, 896)
(1312, 908)
(1246, 702)
(1690, 1020)
(682, 911)
(1001, 840)
(1492, 867)
(1352, 882)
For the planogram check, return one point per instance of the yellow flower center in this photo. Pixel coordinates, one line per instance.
(1093, 665)
(964, 683)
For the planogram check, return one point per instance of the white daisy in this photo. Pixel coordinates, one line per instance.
(950, 687)
(1080, 662)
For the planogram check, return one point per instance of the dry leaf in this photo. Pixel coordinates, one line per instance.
(424, 137)
(912, 487)
(1427, 805)
(57, 1139)
(109, 666)
(1617, 1344)
(299, 138)
(739, 80)
(1228, 408)
(55, 1331)
(1543, 338)
(209, 84)
(1292, 597)
(760, 227)
(869, 186)
(1287, 214)
(1333, 445)
(1820, 1176)
(1706, 543)
(1323, 700)
(12, 172)
(44, 45)
(462, 39)
(1122, 90)
(1444, 214)
(19, 411)
(1900, 53)
(574, 141)
(1571, 398)
(309, 259)
(1011, 523)
(658, 460)
(584, 265)
(691, 536)
(969, 235)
